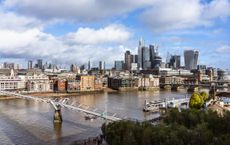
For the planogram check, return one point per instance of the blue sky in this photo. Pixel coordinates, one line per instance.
(70, 31)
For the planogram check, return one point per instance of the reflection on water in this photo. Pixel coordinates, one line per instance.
(58, 130)
(24, 121)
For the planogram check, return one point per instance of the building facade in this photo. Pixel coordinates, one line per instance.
(119, 65)
(87, 82)
(191, 59)
(38, 83)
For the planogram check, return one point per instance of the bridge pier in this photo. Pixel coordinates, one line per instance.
(57, 116)
(192, 89)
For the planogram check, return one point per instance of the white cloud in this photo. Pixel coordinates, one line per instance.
(223, 49)
(12, 21)
(95, 44)
(159, 15)
(82, 10)
(183, 14)
(22, 37)
(109, 34)
(170, 14)
(217, 9)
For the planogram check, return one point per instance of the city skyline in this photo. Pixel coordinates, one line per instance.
(74, 32)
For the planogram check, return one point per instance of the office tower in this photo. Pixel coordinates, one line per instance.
(135, 58)
(169, 56)
(190, 59)
(39, 64)
(73, 68)
(104, 66)
(82, 67)
(140, 60)
(30, 64)
(153, 52)
(128, 60)
(157, 62)
(145, 58)
(119, 65)
(154, 56)
(89, 65)
(174, 62)
(100, 65)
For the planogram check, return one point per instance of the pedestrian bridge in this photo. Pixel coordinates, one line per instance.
(65, 103)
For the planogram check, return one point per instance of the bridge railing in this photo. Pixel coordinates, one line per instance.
(69, 105)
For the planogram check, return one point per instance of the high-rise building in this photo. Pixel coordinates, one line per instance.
(191, 59)
(73, 68)
(82, 67)
(155, 59)
(153, 52)
(128, 60)
(89, 65)
(135, 58)
(119, 65)
(30, 64)
(101, 65)
(157, 62)
(140, 60)
(174, 61)
(146, 64)
(39, 64)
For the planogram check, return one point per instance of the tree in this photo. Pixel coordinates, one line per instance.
(196, 101)
(193, 127)
(204, 95)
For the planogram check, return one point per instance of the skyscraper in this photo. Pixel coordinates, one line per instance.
(128, 60)
(153, 52)
(100, 65)
(154, 56)
(191, 59)
(140, 60)
(73, 68)
(145, 58)
(89, 65)
(30, 64)
(174, 61)
(39, 63)
(118, 65)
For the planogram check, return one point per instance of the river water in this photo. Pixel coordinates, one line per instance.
(31, 122)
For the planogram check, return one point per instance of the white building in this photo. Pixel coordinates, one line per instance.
(38, 83)
(11, 82)
(148, 82)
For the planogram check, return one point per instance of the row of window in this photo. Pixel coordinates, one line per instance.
(9, 85)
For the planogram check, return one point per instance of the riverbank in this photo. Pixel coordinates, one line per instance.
(4, 97)
(61, 94)
(58, 94)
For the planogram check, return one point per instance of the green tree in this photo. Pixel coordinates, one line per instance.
(193, 127)
(204, 95)
(196, 101)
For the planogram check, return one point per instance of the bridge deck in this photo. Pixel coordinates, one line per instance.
(64, 103)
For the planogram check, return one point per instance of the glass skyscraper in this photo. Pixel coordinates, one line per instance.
(191, 59)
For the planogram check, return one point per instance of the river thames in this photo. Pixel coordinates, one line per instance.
(30, 122)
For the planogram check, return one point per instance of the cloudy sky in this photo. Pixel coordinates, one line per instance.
(74, 31)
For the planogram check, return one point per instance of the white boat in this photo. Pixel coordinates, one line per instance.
(153, 106)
